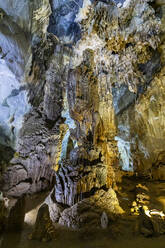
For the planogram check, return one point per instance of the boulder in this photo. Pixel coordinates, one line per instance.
(44, 229)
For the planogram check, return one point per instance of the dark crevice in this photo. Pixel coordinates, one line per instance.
(28, 180)
(90, 193)
(157, 8)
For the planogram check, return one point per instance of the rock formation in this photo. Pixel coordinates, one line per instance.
(81, 102)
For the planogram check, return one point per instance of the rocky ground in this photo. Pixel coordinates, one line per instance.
(137, 209)
(132, 227)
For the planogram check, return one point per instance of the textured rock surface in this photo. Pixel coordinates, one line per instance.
(63, 20)
(13, 95)
(43, 228)
(30, 169)
(28, 15)
(15, 219)
(92, 88)
(12, 213)
(87, 213)
(18, 24)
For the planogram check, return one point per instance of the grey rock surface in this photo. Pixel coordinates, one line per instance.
(62, 20)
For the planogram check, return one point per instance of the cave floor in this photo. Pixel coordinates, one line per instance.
(68, 240)
(121, 234)
(143, 191)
